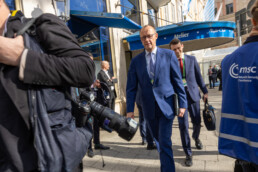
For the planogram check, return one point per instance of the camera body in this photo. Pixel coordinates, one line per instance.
(125, 127)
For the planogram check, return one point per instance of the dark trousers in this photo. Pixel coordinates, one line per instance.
(220, 84)
(91, 129)
(161, 129)
(144, 129)
(194, 112)
(212, 82)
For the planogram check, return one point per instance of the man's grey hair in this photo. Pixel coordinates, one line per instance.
(147, 26)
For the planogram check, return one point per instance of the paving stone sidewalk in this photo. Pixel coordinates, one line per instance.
(133, 157)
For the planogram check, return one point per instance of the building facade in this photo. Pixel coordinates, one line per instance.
(237, 11)
(106, 43)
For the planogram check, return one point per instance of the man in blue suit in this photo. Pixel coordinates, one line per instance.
(192, 78)
(156, 72)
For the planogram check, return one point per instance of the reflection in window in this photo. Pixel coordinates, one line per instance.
(130, 9)
(152, 16)
(97, 42)
(89, 5)
(10, 4)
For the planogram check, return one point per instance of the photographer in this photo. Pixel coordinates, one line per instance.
(63, 64)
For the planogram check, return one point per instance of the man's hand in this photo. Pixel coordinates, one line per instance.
(205, 97)
(130, 115)
(97, 84)
(181, 112)
(11, 50)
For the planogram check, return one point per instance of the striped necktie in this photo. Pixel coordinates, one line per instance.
(151, 68)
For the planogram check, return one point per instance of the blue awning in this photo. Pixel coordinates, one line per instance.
(83, 21)
(194, 35)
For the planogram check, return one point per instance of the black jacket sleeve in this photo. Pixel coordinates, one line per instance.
(64, 61)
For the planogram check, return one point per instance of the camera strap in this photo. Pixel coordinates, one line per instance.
(103, 163)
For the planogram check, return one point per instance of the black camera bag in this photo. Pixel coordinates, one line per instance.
(209, 116)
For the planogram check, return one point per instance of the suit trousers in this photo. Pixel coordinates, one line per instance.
(212, 82)
(144, 129)
(194, 112)
(161, 129)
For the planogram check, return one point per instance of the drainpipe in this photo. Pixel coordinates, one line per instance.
(239, 39)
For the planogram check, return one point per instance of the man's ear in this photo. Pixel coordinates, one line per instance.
(254, 23)
(157, 35)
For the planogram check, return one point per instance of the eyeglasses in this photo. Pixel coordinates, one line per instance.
(148, 36)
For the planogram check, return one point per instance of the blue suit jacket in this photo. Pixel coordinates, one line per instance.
(194, 78)
(167, 81)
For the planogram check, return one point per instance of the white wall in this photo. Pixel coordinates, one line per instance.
(118, 58)
(33, 8)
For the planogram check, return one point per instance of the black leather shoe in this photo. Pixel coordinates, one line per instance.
(198, 144)
(90, 153)
(151, 147)
(188, 161)
(100, 146)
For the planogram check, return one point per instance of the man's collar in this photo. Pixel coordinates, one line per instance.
(183, 56)
(154, 51)
(5, 25)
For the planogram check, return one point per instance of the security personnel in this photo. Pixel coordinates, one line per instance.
(239, 119)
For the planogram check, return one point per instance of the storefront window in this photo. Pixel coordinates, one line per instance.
(152, 16)
(130, 8)
(11, 4)
(89, 5)
(97, 40)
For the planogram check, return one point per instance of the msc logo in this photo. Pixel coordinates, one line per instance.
(234, 70)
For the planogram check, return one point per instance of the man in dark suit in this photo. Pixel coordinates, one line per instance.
(106, 77)
(192, 78)
(156, 72)
(211, 81)
(214, 75)
(63, 64)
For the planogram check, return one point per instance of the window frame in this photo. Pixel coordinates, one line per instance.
(229, 8)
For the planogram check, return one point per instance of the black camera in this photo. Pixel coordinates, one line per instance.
(125, 127)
